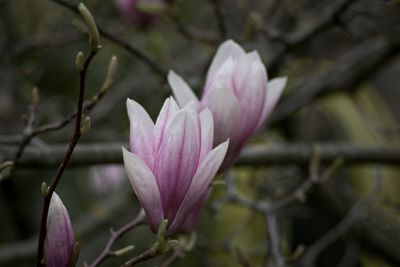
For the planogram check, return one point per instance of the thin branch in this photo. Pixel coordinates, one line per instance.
(157, 69)
(273, 234)
(252, 155)
(349, 70)
(31, 132)
(115, 235)
(148, 254)
(299, 39)
(85, 226)
(75, 138)
(189, 33)
(339, 230)
(178, 252)
(218, 11)
(355, 213)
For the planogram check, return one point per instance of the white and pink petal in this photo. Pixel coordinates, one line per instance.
(181, 90)
(274, 92)
(227, 49)
(145, 187)
(141, 131)
(199, 185)
(177, 160)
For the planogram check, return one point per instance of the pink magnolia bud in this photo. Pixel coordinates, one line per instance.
(140, 12)
(59, 243)
(172, 163)
(107, 178)
(237, 93)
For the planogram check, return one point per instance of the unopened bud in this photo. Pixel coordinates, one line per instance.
(59, 243)
(123, 251)
(170, 245)
(45, 189)
(86, 125)
(256, 20)
(94, 36)
(35, 96)
(111, 73)
(151, 7)
(80, 61)
(5, 169)
(162, 230)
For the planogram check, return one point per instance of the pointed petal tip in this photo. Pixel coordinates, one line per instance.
(229, 41)
(282, 79)
(130, 101)
(277, 85)
(224, 146)
(180, 89)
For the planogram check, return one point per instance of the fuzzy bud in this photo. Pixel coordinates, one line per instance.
(59, 243)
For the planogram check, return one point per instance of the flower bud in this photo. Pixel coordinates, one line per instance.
(80, 61)
(92, 27)
(59, 243)
(140, 13)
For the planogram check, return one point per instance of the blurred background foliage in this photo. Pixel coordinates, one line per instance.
(38, 43)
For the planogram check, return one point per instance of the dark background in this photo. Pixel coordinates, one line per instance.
(342, 61)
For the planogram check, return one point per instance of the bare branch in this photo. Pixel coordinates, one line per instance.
(223, 32)
(75, 138)
(348, 71)
(115, 235)
(274, 239)
(189, 33)
(157, 69)
(252, 155)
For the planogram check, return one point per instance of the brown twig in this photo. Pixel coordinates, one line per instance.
(222, 28)
(274, 239)
(252, 155)
(189, 33)
(157, 69)
(31, 132)
(299, 39)
(349, 70)
(148, 254)
(85, 226)
(115, 235)
(74, 140)
(178, 252)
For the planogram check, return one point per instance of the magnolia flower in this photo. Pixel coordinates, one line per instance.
(140, 12)
(59, 243)
(237, 93)
(172, 163)
(108, 178)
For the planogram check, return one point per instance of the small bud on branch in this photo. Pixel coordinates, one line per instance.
(80, 61)
(87, 123)
(35, 96)
(111, 73)
(91, 24)
(45, 189)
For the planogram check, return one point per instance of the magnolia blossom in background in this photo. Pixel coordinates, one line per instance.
(59, 243)
(171, 163)
(140, 13)
(106, 178)
(237, 92)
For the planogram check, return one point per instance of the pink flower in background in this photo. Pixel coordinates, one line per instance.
(172, 163)
(140, 12)
(106, 178)
(238, 94)
(59, 243)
